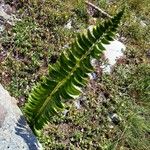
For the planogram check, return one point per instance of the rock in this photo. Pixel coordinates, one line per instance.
(77, 104)
(114, 118)
(94, 62)
(68, 25)
(113, 51)
(6, 16)
(92, 76)
(15, 133)
(65, 112)
(2, 115)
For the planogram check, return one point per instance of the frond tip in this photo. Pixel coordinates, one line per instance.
(69, 74)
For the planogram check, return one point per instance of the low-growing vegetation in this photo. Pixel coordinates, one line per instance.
(115, 115)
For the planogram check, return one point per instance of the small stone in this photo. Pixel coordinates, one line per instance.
(77, 104)
(114, 118)
(65, 112)
(94, 62)
(68, 25)
(92, 76)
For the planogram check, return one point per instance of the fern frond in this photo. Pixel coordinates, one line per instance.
(69, 74)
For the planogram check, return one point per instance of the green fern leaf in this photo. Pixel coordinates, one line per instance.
(69, 74)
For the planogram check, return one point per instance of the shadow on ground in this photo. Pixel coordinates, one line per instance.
(25, 132)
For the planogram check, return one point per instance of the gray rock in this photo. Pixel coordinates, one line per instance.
(7, 16)
(2, 115)
(68, 25)
(113, 51)
(114, 118)
(15, 133)
(77, 104)
(7, 12)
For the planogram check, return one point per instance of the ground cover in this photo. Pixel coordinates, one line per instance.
(115, 115)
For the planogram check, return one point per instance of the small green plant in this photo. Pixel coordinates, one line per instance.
(69, 74)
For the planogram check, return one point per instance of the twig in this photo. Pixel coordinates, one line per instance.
(98, 9)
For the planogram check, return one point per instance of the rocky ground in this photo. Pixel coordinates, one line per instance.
(113, 111)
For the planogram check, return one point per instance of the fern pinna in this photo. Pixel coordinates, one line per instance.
(69, 74)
